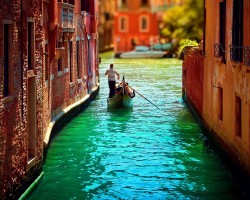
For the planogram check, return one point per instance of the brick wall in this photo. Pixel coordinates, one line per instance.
(13, 113)
(30, 91)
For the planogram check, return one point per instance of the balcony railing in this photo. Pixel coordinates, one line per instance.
(247, 56)
(218, 50)
(236, 53)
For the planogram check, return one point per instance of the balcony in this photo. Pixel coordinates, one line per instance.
(236, 53)
(66, 15)
(247, 56)
(218, 50)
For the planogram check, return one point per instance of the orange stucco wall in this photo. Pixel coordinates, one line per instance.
(224, 85)
(233, 78)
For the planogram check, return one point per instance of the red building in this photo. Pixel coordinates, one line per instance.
(138, 23)
(135, 24)
(48, 65)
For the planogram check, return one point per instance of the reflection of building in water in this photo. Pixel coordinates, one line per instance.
(136, 22)
(106, 9)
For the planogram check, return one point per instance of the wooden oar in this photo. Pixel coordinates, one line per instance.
(144, 97)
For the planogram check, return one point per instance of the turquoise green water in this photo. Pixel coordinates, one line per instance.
(138, 153)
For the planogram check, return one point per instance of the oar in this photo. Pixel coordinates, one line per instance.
(144, 97)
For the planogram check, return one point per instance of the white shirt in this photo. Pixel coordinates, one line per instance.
(111, 74)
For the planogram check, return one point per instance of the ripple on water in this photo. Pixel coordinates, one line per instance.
(138, 153)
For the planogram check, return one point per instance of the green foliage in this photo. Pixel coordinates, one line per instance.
(184, 22)
(185, 43)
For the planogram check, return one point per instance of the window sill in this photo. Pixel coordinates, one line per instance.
(46, 83)
(31, 162)
(59, 73)
(66, 70)
(79, 80)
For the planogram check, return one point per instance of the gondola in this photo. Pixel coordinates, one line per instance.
(123, 96)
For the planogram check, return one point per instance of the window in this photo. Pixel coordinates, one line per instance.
(222, 30)
(124, 3)
(59, 61)
(123, 24)
(46, 62)
(31, 45)
(6, 78)
(238, 128)
(144, 24)
(78, 59)
(32, 122)
(220, 103)
(70, 60)
(66, 55)
(204, 27)
(89, 57)
(68, 1)
(236, 51)
(85, 6)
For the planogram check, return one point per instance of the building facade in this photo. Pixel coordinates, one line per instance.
(139, 23)
(106, 11)
(135, 24)
(223, 104)
(48, 64)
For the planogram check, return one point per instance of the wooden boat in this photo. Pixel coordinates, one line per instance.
(123, 97)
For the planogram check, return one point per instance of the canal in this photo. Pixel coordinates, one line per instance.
(138, 153)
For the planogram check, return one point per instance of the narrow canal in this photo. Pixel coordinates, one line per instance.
(139, 153)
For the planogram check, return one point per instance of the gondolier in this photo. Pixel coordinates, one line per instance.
(123, 96)
(111, 73)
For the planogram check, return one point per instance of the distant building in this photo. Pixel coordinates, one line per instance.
(219, 90)
(137, 22)
(106, 11)
(48, 63)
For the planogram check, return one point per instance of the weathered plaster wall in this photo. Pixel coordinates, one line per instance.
(192, 78)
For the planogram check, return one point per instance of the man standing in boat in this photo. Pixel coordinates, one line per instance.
(111, 73)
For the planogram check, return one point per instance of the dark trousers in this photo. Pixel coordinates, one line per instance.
(111, 88)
